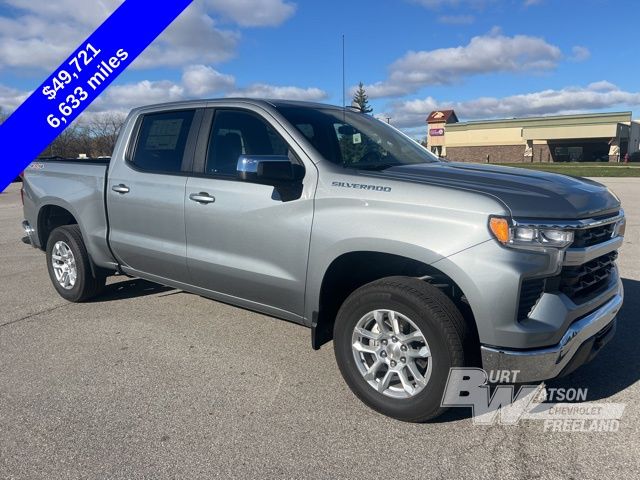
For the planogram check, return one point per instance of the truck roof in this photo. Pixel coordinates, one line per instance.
(252, 101)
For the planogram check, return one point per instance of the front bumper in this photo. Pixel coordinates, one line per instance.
(583, 339)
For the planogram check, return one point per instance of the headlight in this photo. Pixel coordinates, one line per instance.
(620, 228)
(528, 236)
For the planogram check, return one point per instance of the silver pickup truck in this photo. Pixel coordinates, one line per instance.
(329, 218)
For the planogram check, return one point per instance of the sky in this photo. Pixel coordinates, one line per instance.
(483, 58)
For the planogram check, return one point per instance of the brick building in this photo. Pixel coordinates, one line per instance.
(576, 138)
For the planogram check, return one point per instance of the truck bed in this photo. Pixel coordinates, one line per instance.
(91, 160)
(78, 186)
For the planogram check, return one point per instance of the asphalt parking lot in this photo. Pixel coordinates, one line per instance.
(152, 382)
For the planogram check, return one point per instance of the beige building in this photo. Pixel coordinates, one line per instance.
(566, 138)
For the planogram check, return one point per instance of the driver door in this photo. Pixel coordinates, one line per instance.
(247, 241)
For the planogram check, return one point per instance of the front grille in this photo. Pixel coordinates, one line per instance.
(592, 236)
(530, 293)
(581, 282)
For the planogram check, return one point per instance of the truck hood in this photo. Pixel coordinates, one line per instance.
(527, 193)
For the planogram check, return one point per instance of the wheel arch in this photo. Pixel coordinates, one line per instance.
(351, 270)
(51, 216)
(54, 214)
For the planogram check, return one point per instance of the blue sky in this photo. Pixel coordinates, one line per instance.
(485, 58)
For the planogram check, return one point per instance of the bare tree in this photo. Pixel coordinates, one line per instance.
(95, 137)
(68, 144)
(104, 129)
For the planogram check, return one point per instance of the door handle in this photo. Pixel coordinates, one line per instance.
(120, 189)
(202, 197)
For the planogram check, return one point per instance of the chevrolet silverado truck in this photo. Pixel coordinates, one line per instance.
(329, 218)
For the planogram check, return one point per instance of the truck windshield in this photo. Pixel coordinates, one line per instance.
(355, 140)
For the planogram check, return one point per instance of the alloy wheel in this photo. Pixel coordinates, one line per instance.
(64, 265)
(392, 353)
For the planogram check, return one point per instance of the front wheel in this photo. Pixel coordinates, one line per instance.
(395, 340)
(69, 265)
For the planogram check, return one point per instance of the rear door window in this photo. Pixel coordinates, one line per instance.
(162, 141)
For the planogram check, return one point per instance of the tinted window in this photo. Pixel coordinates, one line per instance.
(355, 140)
(236, 133)
(162, 141)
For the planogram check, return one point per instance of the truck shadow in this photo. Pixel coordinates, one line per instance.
(133, 288)
(614, 369)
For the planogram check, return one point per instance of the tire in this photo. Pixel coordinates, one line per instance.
(414, 302)
(85, 285)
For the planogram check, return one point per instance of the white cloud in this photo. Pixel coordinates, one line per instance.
(85, 12)
(261, 90)
(43, 32)
(484, 54)
(122, 98)
(40, 34)
(192, 37)
(595, 96)
(201, 80)
(531, 3)
(33, 41)
(197, 81)
(602, 86)
(255, 13)
(456, 19)
(448, 4)
(580, 53)
(11, 98)
(384, 90)
(127, 96)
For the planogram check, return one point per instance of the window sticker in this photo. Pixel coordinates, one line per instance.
(164, 134)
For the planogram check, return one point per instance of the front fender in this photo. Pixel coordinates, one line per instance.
(411, 221)
(320, 264)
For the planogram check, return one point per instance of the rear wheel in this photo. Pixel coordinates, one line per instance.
(395, 340)
(69, 265)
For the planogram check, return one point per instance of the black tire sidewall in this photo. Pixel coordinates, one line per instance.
(425, 404)
(83, 269)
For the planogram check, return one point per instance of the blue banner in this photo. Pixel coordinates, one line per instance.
(98, 60)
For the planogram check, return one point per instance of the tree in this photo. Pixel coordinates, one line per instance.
(93, 136)
(104, 129)
(361, 99)
(68, 144)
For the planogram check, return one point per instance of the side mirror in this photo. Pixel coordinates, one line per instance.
(270, 169)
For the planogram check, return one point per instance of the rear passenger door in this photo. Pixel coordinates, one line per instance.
(145, 194)
(249, 241)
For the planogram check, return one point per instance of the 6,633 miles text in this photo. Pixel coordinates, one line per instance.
(86, 58)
